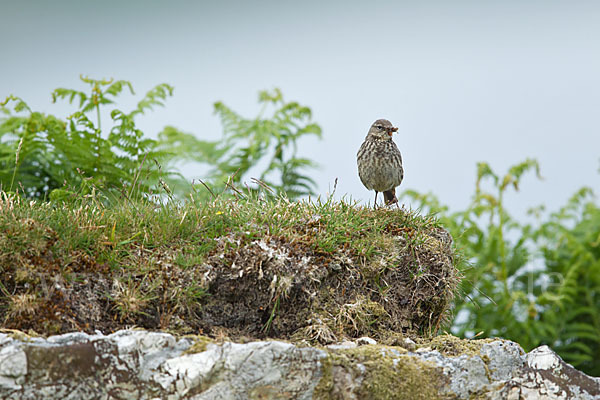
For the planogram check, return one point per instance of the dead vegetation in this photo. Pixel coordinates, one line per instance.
(314, 272)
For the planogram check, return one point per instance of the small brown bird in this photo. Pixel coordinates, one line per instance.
(380, 162)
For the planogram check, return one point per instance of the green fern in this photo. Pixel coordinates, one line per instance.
(535, 284)
(570, 243)
(76, 154)
(268, 142)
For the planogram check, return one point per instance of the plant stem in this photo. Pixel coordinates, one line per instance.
(12, 181)
(98, 115)
(502, 244)
(99, 133)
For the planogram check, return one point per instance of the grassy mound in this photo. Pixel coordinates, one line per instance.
(242, 269)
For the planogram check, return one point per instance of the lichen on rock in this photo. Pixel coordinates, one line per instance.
(136, 364)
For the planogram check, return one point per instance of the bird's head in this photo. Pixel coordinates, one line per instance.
(382, 129)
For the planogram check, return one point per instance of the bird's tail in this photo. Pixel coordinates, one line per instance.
(390, 197)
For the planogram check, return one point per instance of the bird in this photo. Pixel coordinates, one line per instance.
(380, 162)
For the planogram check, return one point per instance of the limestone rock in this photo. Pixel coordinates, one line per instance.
(136, 364)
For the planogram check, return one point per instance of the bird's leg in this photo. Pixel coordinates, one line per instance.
(390, 197)
(375, 204)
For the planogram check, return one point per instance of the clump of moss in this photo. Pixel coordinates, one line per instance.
(451, 346)
(199, 345)
(377, 372)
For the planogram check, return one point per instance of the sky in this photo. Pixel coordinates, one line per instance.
(464, 81)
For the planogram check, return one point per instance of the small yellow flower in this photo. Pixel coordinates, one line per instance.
(219, 212)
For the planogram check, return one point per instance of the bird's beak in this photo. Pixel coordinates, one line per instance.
(392, 130)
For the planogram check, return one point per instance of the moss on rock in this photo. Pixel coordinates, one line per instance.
(377, 372)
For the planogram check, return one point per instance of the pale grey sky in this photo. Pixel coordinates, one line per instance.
(465, 81)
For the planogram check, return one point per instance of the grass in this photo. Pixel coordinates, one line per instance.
(112, 234)
(145, 263)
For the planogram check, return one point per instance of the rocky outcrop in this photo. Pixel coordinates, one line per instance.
(136, 364)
